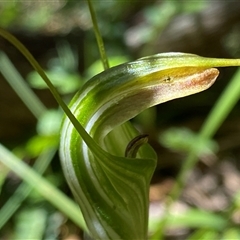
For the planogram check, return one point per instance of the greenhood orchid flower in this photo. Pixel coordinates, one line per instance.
(110, 188)
(107, 164)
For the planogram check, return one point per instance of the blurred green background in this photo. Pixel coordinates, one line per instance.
(59, 34)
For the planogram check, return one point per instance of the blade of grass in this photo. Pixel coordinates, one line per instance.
(30, 223)
(193, 218)
(24, 189)
(48, 191)
(18, 84)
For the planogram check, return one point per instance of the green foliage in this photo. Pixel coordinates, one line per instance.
(9, 11)
(192, 218)
(30, 15)
(31, 224)
(62, 71)
(64, 74)
(184, 140)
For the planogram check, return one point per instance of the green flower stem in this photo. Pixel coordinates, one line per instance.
(98, 36)
(48, 191)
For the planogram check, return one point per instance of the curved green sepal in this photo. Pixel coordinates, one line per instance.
(112, 190)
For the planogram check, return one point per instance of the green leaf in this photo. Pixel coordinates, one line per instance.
(192, 218)
(231, 233)
(65, 82)
(184, 140)
(204, 234)
(30, 224)
(38, 143)
(49, 123)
